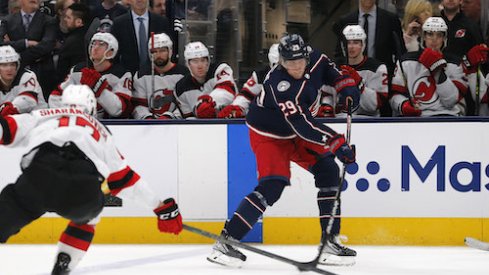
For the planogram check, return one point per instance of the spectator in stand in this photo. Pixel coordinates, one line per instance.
(13, 6)
(159, 7)
(428, 82)
(72, 51)
(472, 10)
(154, 92)
(208, 88)
(111, 84)
(415, 13)
(370, 76)
(463, 33)
(60, 9)
(32, 34)
(19, 90)
(109, 9)
(132, 30)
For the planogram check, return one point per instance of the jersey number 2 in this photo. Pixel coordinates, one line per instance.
(80, 121)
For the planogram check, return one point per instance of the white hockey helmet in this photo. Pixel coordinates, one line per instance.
(273, 55)
(195, 50)
(109, 39)
(80, 96)
(161, 40)
(8, 55)
(355, 32)
(435, 24)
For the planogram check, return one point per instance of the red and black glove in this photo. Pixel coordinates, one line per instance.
(342, 150)
(8, 108)
(432, 60)
(326, 110)
(169, 218)
(475, 56)
(407, 109)
(94, 80)
(206, 107)
(354, 74)
(231, 111)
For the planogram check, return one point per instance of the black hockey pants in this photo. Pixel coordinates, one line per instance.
(59, 179)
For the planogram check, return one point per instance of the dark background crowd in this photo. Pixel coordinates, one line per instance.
(53, 36)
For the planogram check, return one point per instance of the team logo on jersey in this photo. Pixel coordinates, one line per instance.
(424, 90)
(161, 100)
(460, 33)
(283, 86)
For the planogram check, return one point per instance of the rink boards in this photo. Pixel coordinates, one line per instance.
(419, 183)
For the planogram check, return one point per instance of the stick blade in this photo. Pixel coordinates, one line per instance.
(474, 243)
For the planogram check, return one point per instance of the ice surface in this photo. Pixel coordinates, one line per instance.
(191, 259)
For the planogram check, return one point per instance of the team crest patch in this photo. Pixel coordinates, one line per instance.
(460, 33)
(283, 86)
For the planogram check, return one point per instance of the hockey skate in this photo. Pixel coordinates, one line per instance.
(61, 265)
(225, 254)
(334, 253)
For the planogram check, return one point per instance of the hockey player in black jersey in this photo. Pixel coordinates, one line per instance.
(282, 129)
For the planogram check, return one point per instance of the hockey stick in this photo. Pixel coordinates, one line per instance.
(397, 41)
(474, 243)
(477, 90)
(152, 57)
(324, 238)
(302, 266)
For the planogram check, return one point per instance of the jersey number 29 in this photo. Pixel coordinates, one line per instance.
(288, 108)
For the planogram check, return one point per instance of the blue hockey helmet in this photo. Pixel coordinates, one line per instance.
(292, 47)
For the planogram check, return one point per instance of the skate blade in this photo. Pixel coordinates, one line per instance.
(334, 260)
(222, 259)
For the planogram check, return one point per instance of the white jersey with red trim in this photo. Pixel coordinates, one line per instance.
(219, 84)
(375, 80)
(251, 89)
(438, 94)
(25, 94)
(113, 102)
(483, 91)
(160, 102)
(62, 126)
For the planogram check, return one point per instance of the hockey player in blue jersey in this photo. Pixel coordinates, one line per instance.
(282, 129)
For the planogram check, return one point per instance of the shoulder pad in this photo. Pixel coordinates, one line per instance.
(371, 64)
(185, 84)
(116, 70)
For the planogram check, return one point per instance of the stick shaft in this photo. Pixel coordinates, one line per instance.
(239, 244)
